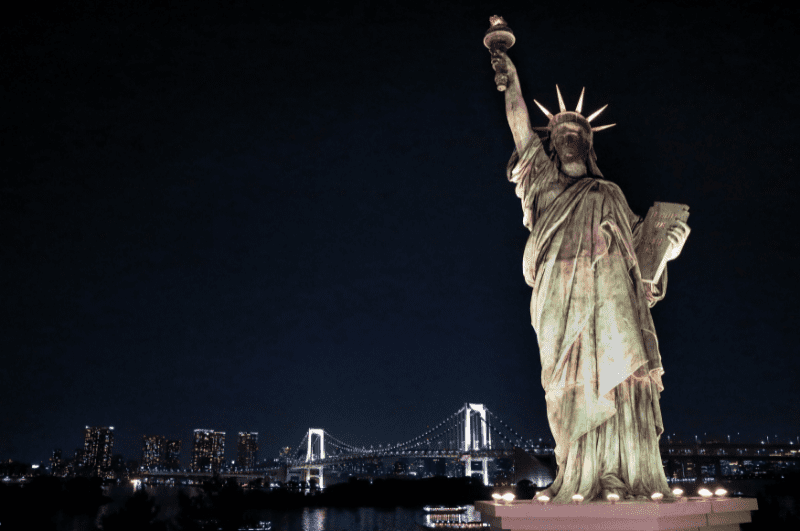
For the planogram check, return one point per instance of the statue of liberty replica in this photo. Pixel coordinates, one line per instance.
(590, 309)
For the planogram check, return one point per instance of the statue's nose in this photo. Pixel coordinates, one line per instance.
(572, 140)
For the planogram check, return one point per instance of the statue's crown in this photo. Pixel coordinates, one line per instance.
(571, 116)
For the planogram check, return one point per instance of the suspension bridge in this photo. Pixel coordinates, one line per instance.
(473, 434)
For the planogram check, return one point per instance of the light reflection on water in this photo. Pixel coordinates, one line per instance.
(335, 519)
(314, 520)
(360, 519)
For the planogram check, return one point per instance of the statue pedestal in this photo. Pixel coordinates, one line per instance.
(722, 514)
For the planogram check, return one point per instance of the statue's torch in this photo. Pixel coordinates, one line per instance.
(499, 38)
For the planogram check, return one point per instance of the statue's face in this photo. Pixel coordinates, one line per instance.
(571, 142)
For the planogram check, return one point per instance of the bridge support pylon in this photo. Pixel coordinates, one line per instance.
(316, 452)
(315, 473)
(293, 474)
(482, 468)
(477, 436)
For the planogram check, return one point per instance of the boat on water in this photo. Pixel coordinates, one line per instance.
(453, 525)
(449, 518)
(445, 510)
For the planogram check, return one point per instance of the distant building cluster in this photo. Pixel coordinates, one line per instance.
(208, 452)
(94, 459)
(159, 454)
(692, 462)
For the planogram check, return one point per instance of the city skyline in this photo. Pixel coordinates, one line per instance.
(492, 460)
(268, 219)
(185, 458)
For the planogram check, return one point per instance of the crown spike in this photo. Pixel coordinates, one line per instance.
(601, 127)
(545, 111)
(580, 101)
(597, 113)
(561, 106)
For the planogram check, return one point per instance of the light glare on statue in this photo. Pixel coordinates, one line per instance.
(705, 493)
(543, 499)
(657, 497)
(577, 498)
(497, 497)
(613, 498)
(678, 492)
(508, 497)
(720, 492)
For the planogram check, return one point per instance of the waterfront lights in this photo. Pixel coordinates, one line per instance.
(657, 497)
(543, 499)
(577, 499)
(508, 497)
(720, 492)
(705, 493)
(613, 498)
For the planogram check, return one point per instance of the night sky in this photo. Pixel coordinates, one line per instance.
(271, 219)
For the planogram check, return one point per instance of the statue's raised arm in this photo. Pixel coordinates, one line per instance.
(516, 110)
(498, 39)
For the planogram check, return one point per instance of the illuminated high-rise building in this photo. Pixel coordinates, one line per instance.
(75, 466)
(153, 451)
(57, 464)
(248, 449)
(284, 455)
(97, 446)
(217, 450)
(160, 452)
(208, 450)
(172, 456)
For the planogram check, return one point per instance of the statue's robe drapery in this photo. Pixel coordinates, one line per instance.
(601, 367)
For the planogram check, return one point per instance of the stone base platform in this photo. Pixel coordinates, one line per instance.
(721, 514)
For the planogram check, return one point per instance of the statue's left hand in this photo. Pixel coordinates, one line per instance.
(651, 291)
(677, 234)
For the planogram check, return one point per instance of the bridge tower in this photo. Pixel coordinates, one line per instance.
(476, 428)
(476, 437)
(316, 452)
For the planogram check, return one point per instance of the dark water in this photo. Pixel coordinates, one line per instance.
(361, 519)
(308, 519)
(321, 518)
(328, 519)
